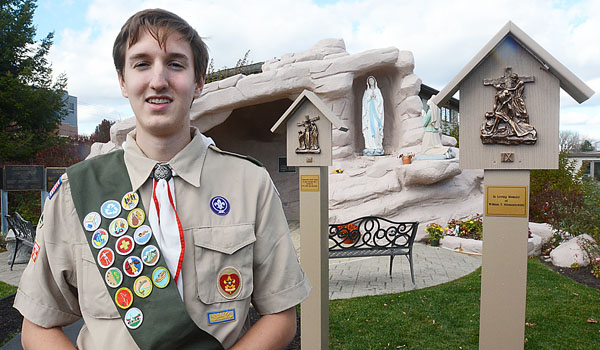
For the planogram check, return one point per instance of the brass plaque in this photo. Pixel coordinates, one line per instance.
(309, 183)
(510, 201)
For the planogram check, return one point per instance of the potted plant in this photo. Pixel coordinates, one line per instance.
(406, 158)
(435, 232)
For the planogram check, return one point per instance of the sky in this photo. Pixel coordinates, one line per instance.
(442, 35)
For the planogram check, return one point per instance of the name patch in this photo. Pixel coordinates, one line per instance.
(221, 316)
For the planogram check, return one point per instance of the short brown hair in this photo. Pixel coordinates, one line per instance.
(160, 24)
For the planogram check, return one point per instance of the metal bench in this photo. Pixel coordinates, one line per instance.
(373, 236)
(24, 233)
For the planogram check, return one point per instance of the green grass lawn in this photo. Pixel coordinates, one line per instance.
(447, 316)
(6, 290)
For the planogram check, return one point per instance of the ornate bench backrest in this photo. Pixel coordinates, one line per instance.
(371, 232)
(22, 228)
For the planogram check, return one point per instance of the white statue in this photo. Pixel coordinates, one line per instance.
(432, 147)
(372, 119)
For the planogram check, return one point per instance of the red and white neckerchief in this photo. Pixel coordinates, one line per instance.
(165, 222)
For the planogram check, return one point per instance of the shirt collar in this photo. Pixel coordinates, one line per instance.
(187, 163)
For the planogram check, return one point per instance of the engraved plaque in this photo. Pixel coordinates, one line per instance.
(23, 177)
(506, 201)
(309, 183)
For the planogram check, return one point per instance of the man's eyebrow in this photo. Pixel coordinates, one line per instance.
(171, 55)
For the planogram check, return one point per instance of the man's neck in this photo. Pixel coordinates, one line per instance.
(161, 148)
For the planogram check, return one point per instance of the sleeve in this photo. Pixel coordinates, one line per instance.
(47, 294)
(279, 282)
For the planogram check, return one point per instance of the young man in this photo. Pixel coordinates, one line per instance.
(165, 244)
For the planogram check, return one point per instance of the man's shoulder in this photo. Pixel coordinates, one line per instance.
(232, 156)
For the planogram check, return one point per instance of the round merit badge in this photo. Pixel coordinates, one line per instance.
(142, 234)
(110, 209)
(123, 298)
(91, 222)
(124, 245)
(230, 282)
(132, 266)
(99, 238)
(134, 318)
(130, 200)
(150, 255)
(118, 227)
(136, 217)
(161, 277)
(113, 277)
(219, 205)
(142, 287)
(106, 257)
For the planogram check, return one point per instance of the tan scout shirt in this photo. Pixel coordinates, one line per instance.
(64, 284)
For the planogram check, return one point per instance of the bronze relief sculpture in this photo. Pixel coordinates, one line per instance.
(508, 122)
(308, 137)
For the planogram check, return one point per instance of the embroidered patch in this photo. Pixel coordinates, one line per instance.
(229, 282)
(124, 298)
(40, 221)
(110, 209)
(92, 221)
(150, 255)
(136, 217)
(54, 188)
(132, 266)
(99, 238)
(142, 287)
(161, 277)
(113, 277)
(118, 227)
(134, 318)
(221, 316)
(35, 251)
(219, 205)
(142, 234)
(124, 245)
(106, 257)
(130, 200)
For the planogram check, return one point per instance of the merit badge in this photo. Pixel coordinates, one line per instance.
(134, 318)
(142, 287)
(161, 277)
(142, 234)
(130, 200)
(136, 217)
(113, 277)
(110, 209)
(219, 205)
(118, 227)
(230, 282)
(92, 221)
(35, 251)
(124, 298)
(150, 255)
(106, 257)
(132, 266)
(221, 316)
(54, 188)
(99, 238)
(124, 245)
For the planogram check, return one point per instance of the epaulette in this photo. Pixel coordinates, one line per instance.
(248, 158)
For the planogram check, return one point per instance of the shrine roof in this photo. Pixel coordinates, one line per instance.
(569, 82)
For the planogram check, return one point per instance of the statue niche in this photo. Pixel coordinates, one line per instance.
(308, 137)
(508, 122)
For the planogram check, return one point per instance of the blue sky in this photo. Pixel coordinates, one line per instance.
(442, 35)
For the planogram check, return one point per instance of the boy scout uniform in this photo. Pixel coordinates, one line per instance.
(62, 282)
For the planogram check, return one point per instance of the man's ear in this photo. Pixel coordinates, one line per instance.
(122, 85)
(199, 87)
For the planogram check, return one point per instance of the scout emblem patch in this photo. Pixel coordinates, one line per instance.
(142, 234)
(132, 266)
(130, 200)
(35, 251)
(229, 282)
(110, 209)
(99, 238)
(150, 255)
(54, 188)
(221, 316)
(106, 258)
(161, 277)
(124, 298)
(118, 227)
(142, 287)
(136, 217)
(124, 245)
(133, 318)
(113, 277)
(92, 221)
(219, 205)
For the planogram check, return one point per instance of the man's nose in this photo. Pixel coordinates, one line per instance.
(159, 78)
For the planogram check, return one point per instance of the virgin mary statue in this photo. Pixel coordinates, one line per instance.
(372, 119)
(432, 147)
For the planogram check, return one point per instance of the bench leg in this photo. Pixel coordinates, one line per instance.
(410, 262)
(391, 264)
(15, 253)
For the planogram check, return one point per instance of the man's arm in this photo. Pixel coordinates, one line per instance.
(36, 337)
(273, 331)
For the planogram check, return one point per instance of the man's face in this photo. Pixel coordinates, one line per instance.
(160, 84)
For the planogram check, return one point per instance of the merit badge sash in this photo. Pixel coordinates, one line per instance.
(129, 259)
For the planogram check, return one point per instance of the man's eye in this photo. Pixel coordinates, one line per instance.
(176, 64)
(140, 65)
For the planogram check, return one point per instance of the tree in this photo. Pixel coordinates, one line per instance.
(586, 146)
(102, 131)
(31, 104)
(569, 141)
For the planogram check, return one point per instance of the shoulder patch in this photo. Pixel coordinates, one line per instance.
(248, 158)
(55, 188)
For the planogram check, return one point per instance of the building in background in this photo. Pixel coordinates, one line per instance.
(68, 127)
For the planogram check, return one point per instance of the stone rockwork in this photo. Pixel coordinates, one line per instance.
(426, 190)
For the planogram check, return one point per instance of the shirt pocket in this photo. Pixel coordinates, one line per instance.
(93, 296)
(223, 259)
